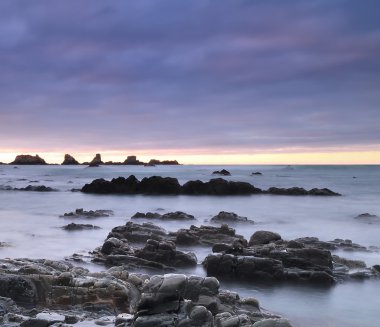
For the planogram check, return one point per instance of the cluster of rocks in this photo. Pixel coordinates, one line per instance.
(55, 293)
(266, 256)
(81, 213)
(157, 185)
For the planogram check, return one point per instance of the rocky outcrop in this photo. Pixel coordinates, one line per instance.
(222, 172)
(269, 257)
(77, 227)
(157, 185)
(80, 213)
(177, 215)
(97, 161)
(69, 160)
(230, 217)
(26, 159)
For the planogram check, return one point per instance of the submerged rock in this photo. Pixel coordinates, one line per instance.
(69, 160)
(31, 188)
(222, 172)
(177, 215)
(80, 213)
(256, 173)
(26, 159)
(301, 191)
(230, 217)
(75, 227)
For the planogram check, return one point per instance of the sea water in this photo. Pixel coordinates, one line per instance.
(30, 224)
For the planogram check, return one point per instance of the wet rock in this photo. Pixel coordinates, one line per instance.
(230, 217)
(256, 173)
(177, 215)
(222, 172)
(77, 227)
(69, 160)
(273, 323)
(80, 213)
(158, 185)
(207, 235)
(26, 159)
(165, 252)
(368, 218)
(263, 237)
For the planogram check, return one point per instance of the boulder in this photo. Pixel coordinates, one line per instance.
(69, 160)
(301, 191)
(158, 185)
(263, 237)
(26, 159)
(257, 173)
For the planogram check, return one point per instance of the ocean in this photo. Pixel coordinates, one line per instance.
(30, 224)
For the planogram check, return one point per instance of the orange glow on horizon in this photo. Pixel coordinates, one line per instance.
(308, 157)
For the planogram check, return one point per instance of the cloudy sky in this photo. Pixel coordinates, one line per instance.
(182, 78)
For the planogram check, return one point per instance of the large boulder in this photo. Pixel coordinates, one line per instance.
(177, 215)
(263, 237)
(158, 185)
(69, 160)
(132, 160)
(26, 159)
(222, 172)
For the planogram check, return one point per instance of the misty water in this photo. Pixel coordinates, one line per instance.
(30, 224)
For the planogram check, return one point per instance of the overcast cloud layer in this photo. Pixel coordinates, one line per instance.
(240, 76)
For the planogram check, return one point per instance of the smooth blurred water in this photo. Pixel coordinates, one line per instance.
(29, 222)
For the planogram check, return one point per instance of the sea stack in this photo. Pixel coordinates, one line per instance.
(27, 159)
(132, 160)
(96, 161)
(69, 160)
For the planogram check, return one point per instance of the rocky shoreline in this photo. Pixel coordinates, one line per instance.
(146, 284)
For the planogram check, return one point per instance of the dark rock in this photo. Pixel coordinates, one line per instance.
(263, 237)
(26, 159)
(69, 160)
(75, 227)
(256, 173)
(158, 185)
(230, 217)
(223, 172)
(80, 213)
(148, 215)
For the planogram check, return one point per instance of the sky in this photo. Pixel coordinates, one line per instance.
(243, 81)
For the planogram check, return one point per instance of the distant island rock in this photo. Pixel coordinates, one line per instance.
(157, 185)
(69, 160)
(154, 162)
(97, 161)
(132, 160)
(27, 159)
